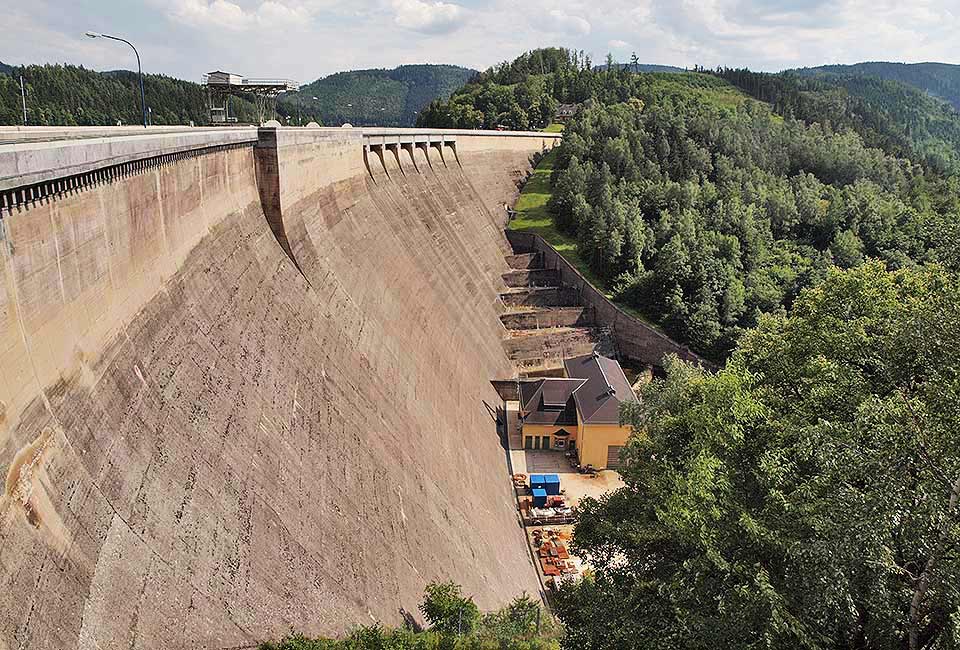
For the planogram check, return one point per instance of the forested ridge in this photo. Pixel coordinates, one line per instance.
(519, 94)
(705, 213)
(938, 79)
(67, 95)
(897, 117)
(75, 96)
(379, 97)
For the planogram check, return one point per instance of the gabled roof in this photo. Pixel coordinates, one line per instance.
(549, 401)
(604, 388)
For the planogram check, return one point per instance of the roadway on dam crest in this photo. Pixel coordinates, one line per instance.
(242, 383)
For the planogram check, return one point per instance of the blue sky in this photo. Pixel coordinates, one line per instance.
(307, 39)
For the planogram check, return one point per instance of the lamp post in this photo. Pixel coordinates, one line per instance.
(143, 106)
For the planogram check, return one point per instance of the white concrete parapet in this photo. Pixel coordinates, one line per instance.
(29, 157)
(41, 162)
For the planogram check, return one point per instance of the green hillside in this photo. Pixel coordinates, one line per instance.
(73, 95)
(703, 208)
(889, 114)
(939, 79)
(380, 97)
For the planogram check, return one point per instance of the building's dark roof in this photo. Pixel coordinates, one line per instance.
(549, 401)
(605, 387)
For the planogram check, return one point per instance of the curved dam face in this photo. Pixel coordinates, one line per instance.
(243, 382)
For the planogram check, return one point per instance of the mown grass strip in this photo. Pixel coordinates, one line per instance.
(533, 216)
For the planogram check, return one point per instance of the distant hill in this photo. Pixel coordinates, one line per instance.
(939, 79)
(68, 95)
(382, 97)
(895, 116)
(73, 95)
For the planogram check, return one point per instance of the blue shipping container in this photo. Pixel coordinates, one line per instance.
(551, 483)
(539, 498)
(536, 482)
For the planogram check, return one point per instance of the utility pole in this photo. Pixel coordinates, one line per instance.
(23, 100)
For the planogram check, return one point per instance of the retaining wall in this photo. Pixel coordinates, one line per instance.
(634, 339)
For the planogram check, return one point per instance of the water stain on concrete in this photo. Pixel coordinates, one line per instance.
(24, 490)
(18, 489)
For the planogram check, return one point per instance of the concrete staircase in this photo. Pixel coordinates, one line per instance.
(545, 321)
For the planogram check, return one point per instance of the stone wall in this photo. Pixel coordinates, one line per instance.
(634, 339)
(209, 440)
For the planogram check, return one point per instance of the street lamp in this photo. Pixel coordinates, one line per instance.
(143, 107)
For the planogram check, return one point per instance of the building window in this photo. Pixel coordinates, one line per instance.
(559, 443)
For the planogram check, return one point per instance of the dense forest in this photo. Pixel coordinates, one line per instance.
(704, 214)
(894, 116)
(704, 208)
(75, 96)
(939, 79)
(520, 94)
(805, 496)
(66, 95)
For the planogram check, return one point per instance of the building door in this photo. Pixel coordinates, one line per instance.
(545, 442)
(528, 442)
(613, 456)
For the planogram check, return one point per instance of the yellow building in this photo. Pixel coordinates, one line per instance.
(579, 412)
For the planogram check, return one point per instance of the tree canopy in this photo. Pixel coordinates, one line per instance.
(704, 209)
(803, 497)
(455, 624)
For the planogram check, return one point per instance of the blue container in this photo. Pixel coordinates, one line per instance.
(537, 482)
(551, 483)
(539, 498)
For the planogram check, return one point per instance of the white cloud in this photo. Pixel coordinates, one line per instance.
(428, 17)
(561, 21)
(229, 15)
(305, 39)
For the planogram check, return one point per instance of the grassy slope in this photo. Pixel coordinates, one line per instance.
(705, 89)
(532, 216)
(553, 128)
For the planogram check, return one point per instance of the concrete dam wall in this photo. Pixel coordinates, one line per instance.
(242, 382)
